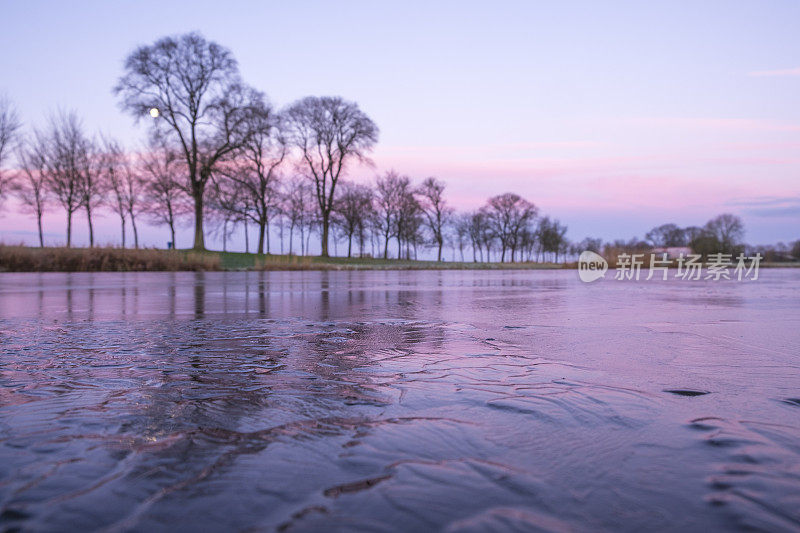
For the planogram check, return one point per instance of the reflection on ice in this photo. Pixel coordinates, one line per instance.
(397, 400)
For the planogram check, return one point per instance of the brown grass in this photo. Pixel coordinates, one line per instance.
(106, 259)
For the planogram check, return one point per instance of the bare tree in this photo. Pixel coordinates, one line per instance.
(65, 163)
(193, 86)
(478, 231)
(9, 129)
(666, 235)
(113, 166)
(230, 206)
(507, 215)
(329, 133)
(461, 232)
(551, 236)
(409, 220)
(437, 212)
(298, 199)
(728, 230)
(256, 172)
(92, 187)
(165, 199)
(31, 188)
(351, 211)
(387, 202)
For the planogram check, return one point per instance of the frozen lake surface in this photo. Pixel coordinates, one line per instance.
(383, 401)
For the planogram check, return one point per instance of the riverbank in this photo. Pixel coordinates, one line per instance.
(109, 259)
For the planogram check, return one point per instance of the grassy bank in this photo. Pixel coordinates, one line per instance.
(102, 259)
(25, 259)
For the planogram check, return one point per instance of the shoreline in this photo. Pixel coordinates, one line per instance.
(109, 259)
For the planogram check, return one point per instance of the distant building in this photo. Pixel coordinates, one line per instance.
(673, 252)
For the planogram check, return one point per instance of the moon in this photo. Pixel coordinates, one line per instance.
(154, 112)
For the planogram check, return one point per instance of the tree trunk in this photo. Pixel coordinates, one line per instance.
(199, 238)
(266, 230)
(246, 239)
(324, 237)
(440, 251)
(172, 234)
(135, 232)
(349, 245)
(91, 227)
(302, 239)
(69, 229)
(41, 234)
(261, 230)
(122, 221)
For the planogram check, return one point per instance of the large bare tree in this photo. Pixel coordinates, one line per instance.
(437, 212)
(9, 128)
(329, 133)
(193, 88)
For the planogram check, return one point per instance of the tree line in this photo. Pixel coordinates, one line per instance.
(219, 154)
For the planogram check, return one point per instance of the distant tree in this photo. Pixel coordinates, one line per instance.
(387, 204)
(666, 235)
(408, 219)
(795, 252)
(728, 230)
(297, 204)
(66, 160)
(229, 206)
(135, 197)
(31, 188)
(461, 231)
(552, 237)
(352, 209)
(92, 187)
(194, 87)
(329, 134)
(528, 241)
(434, 207)
(507, 215)
(9, 129)
(591, 244)
(256, 171)
(114, 166)
(691, 233)
(480, 233)
(165, 199)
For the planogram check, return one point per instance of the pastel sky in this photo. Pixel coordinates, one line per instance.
(612, 116)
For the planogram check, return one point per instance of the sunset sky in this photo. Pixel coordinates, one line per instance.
(612, 116)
